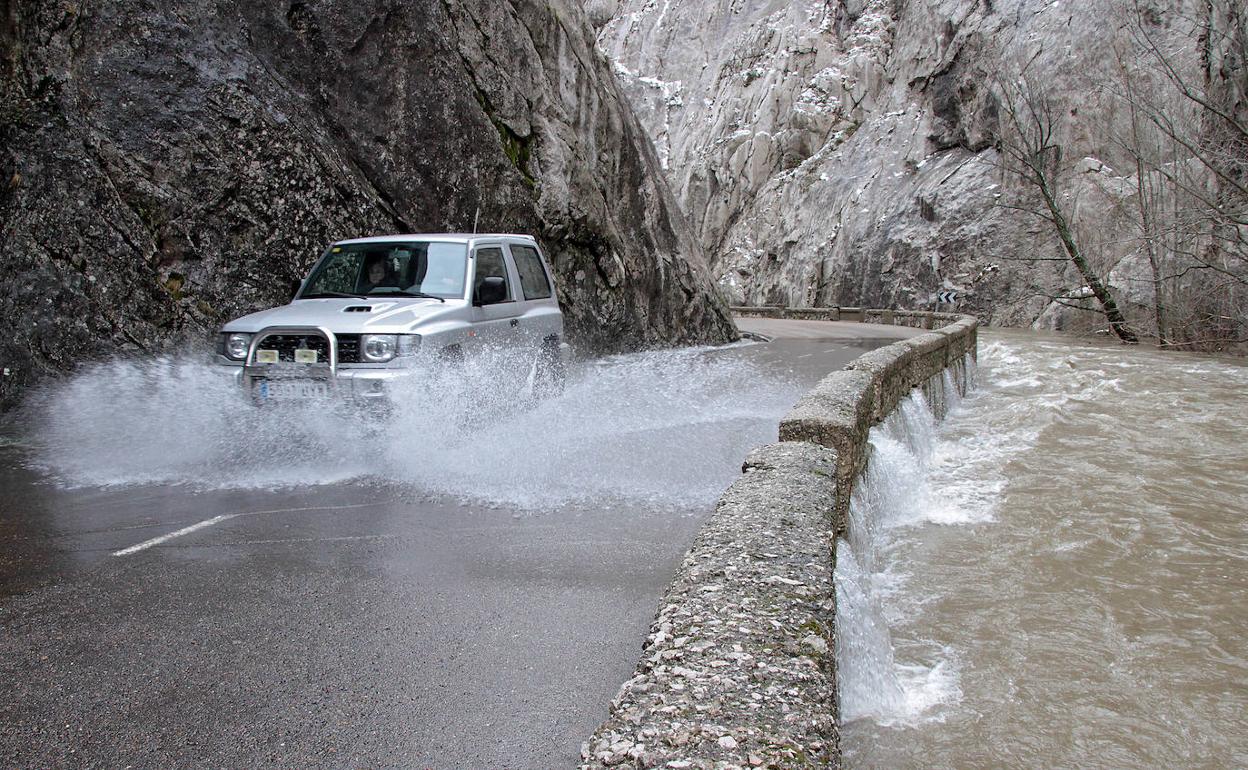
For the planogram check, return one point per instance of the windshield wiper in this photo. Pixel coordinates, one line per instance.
(322, 294)
(400, 293)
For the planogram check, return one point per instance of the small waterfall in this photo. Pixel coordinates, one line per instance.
(913, 423)
(870, 687)
(893, 488)
(893, 492)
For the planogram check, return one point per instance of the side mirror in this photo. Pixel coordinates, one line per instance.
(295, 285)
(492, 289)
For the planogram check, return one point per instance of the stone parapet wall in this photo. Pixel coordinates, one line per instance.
(739, 667)
(840, 410)
(796, 313)
(922, 319)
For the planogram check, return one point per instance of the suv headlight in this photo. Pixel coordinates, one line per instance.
(234, 346)
(378, 348)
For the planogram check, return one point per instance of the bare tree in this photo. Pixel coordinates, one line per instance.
(1151, 208)
(1031, 149)
(1188, 139)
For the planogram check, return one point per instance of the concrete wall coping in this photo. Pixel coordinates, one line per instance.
(736, 668)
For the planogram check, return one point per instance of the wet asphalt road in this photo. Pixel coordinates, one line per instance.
(338, 626)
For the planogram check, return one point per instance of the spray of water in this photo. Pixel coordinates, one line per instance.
(660, 428)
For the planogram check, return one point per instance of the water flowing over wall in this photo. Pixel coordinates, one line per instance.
(740, 667)
(892, 491)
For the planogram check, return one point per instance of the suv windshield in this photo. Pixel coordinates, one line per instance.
(414, 268)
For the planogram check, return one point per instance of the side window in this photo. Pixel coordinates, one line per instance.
(490, 263)
(533, 280)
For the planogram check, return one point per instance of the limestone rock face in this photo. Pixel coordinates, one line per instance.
(842, 152)
(169, 166)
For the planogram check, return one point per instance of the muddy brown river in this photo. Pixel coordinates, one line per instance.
(1055, 575)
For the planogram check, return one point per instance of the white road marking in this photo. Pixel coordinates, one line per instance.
(184, 531)
(305, 540)
(309, 508)
(225, 517)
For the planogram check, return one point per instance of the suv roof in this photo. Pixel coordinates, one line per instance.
(446, 237)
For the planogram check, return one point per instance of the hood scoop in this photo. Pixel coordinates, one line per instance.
(358, 309)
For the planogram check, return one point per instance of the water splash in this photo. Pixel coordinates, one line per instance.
(664, 428)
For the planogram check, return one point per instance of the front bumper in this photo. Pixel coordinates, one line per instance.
(315, 369)
(362, 383)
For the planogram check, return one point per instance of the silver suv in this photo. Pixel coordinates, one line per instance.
(373, 308)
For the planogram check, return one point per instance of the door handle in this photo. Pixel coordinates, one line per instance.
(515, 322)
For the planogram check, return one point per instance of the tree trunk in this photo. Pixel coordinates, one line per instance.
(1117, 322)
(1147, 199)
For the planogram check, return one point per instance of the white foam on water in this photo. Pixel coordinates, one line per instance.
(662, 428)
(927, 688)
(1236, 372)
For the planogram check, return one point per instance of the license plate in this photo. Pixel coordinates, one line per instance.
(291, 390)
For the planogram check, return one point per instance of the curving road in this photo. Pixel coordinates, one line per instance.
(347, 625)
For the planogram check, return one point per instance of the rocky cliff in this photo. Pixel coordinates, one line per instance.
(845, 151)
(167, 166)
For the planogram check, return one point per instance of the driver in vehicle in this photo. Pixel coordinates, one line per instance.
(376, 273)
